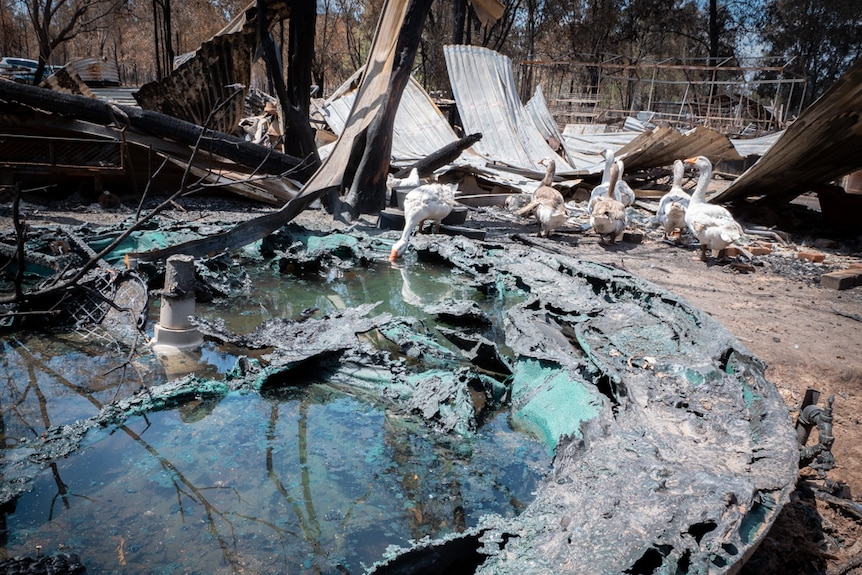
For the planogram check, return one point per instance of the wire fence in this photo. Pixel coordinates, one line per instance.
(733, 97)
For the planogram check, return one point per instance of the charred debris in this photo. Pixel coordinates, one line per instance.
(651, 394)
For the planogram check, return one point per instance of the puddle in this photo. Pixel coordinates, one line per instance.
(306, 478)
(304, 482)
(392, 418)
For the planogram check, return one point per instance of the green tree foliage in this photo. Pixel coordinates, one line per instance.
(822, 37)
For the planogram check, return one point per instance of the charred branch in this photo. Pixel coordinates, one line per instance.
(445, 155)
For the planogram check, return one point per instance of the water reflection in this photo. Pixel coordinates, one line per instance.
(418, 290)
(300, 480)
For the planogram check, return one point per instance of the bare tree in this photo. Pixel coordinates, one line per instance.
(58, 21)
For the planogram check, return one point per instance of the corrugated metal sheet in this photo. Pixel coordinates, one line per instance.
(585, 146)
(420, 128)
(484, 88)
(206, 78)
(192, 91)
(67, 81)
(537, 108)
(660, 147)
(756, 146)
(96, 71)
(822, 145)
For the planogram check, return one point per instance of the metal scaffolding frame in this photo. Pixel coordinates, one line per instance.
(684, 94)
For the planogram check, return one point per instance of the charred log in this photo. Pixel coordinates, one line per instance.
(445, 155)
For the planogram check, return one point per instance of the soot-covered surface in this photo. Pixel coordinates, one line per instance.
(672, 453)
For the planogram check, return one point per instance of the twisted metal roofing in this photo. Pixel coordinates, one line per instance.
(484, 89)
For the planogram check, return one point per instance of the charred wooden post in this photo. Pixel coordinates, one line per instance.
(368, 191)
(445, 155)
(294, 107)
(300, 53)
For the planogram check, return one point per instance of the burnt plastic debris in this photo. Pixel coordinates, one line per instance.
(671, 450)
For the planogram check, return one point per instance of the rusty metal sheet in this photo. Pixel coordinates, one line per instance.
(821, 145)
(488, 11)
(203, 79)
(660, 147)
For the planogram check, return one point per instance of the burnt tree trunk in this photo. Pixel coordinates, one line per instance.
(459, 15)
(714, 32)
(293, 98)
(303, 17)
(368, 190)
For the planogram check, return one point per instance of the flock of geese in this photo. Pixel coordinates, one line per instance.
(713, 225)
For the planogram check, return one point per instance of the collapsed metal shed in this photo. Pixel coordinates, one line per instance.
(484, 89)
(204, 82)
(821, 145)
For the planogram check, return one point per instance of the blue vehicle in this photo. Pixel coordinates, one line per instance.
(22, 69)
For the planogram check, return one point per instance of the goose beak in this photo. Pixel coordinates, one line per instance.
(690, 160)
(393, 255)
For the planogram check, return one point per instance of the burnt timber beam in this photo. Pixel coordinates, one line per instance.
(444, 156)
(153, 123)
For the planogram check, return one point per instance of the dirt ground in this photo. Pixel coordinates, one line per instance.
(809, 336)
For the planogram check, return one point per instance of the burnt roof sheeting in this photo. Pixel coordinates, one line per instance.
(202, 83)
(660, 147)
(484, 88)
(420, 128)
(207, 77)
(821, 145)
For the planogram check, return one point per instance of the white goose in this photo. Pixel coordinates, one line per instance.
(548, 205)
(673, 205)
(608, 217)
(622, 191)
(713, 225)
(625, 193)
(601, 191)
(427, 202)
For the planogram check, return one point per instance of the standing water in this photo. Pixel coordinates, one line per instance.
(308, 478)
